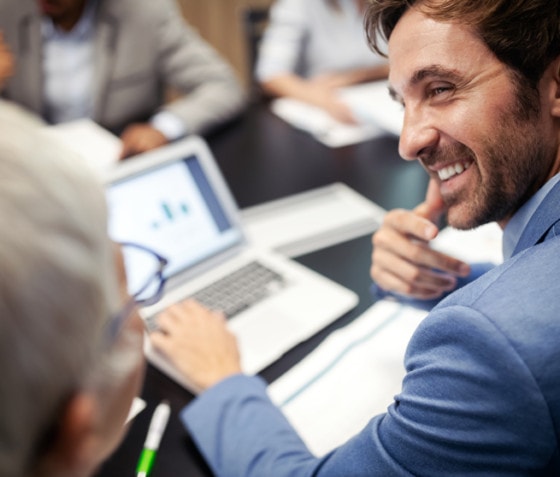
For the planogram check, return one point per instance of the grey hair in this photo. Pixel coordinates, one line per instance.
(57, 285)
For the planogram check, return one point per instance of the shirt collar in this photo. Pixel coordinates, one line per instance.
(516, 225)
(82, 30)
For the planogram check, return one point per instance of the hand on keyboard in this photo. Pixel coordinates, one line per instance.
(197, 341)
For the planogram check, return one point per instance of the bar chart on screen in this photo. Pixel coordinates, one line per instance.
(171, 213)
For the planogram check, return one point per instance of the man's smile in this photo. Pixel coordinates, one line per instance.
(451, 170)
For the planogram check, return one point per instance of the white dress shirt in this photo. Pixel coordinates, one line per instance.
(68, 67)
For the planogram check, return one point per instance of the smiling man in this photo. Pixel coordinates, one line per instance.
(480, 86)
(481, 119)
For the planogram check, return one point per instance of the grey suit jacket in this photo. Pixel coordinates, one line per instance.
(142, 47)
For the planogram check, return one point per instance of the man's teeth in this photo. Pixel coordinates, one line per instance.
(452, 170)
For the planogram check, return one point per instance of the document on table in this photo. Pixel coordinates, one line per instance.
(483, 244)
(136, 408)
(371, 104)
(351, 377)
(356, 372)
(99, 148)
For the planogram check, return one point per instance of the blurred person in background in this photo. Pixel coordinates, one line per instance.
(313, 47)
(115, 61)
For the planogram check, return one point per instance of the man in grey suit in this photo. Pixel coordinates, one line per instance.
(479, 82)
(114, 61)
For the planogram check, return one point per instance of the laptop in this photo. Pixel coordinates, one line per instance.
(175, 201)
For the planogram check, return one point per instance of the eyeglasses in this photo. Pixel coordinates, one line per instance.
(144, 271)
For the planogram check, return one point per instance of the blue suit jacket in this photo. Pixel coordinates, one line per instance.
(481, 395)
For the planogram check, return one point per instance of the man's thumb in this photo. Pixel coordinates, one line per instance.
(433, 206)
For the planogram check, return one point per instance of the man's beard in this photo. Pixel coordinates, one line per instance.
(514, 159)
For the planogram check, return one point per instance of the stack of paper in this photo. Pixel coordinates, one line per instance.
(370, 103)
(99, 149)
(355, 373)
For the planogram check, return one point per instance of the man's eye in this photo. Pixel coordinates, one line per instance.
(438, 90)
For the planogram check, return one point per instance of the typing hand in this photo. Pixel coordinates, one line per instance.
(402, 260)
(198, 343)
(140, 137)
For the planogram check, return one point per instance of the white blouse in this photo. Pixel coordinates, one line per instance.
(308, 37)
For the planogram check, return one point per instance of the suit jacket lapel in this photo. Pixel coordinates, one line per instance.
(542, 221)
(30, 63)
(105, 45)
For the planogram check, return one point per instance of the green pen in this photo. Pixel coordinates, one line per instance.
(153, 438)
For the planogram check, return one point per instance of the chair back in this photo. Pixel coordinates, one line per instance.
(254, 21)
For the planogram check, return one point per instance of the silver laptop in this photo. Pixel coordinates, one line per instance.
(175, 201)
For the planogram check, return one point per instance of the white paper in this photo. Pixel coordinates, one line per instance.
(370, 103)
(99, 148)
(351, 377)
(137, 407)
(483, 244)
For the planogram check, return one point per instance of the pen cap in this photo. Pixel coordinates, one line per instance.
(157, 426)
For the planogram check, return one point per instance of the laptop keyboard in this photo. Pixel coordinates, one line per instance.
(238, 290)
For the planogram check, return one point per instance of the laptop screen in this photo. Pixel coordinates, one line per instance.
(172, 209)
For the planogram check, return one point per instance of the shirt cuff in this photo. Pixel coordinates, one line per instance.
(169, 125)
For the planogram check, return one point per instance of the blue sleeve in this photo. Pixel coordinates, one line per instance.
(467, 406)
(241, 433)
(477, 270)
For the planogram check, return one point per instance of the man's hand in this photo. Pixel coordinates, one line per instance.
(402, 260)
(7, 63)
(198, 343)
(140, 137)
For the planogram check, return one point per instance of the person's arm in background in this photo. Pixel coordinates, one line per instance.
(281, 51)
(210, 93)
(321, 90)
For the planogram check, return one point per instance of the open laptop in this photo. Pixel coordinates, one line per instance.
(175, 201)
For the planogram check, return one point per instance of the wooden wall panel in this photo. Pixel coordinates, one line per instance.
(219, 23)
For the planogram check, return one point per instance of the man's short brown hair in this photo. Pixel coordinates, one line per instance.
(523, 34)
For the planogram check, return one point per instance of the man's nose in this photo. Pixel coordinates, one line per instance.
(418, 133)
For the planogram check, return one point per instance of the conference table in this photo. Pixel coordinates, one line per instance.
(263, 159)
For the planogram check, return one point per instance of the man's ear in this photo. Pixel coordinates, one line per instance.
(554, 71)
(73, 448)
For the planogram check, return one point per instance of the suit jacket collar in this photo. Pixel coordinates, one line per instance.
(106, 29)
(542, 221)
(29, 62)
